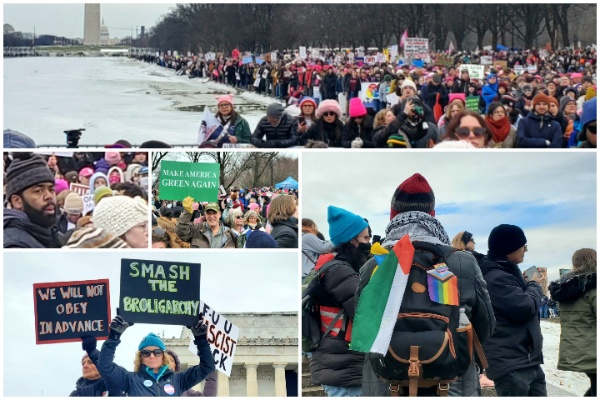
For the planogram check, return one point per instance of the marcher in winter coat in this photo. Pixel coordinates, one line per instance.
(274, 130)
(358, 132)
(210, 383)
(209, 234)
(328, 128)
(312, 246)
(283, 218)
(514, 351)
(91, 383)
(575, 293)
(411, 121)
(152, 376)
(333, 364)
(538, 129)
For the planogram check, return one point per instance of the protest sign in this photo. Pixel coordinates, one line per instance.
(532, 69)
(518, 69)
(370, 60)
(273, 56)
(369, 91)
(259, 61)
(66, 311)
(486, 60)
(500, 64)
(475, 71)
(247, 60)
(210, 56)
(302, 51)
(472, 103)
(88, 203)
(159, 292)
(181, 179)
(79, 188)
(394, 51)
(416, 48)
(222, 336)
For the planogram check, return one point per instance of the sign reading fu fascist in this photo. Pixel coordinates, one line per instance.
(66, 311)
(181, 179)
(160, 292)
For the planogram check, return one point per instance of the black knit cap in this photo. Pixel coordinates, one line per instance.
(505, 238)
(25, 171)
(414, 194)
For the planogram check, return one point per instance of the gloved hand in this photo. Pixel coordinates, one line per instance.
(88, 343)
(118, 326)
(187, 204)
(199, 330)
(356, 143)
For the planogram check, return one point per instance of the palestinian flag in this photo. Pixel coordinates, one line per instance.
(380, 300)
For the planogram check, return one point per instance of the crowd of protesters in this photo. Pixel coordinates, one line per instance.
(83, 200)
(242, 218)
(528, 99)
(501, 304)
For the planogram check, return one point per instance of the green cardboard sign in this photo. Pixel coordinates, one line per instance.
(181, 179)
(473, 103)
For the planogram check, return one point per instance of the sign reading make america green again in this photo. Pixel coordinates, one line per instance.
(181, 179)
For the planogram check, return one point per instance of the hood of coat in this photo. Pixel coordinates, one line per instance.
(571, 287)
(19, 220)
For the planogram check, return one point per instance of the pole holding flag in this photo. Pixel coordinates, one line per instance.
(403, 38)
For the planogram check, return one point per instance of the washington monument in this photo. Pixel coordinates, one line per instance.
(91, 26)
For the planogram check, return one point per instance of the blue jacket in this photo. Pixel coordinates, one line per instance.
(143, 383)
(534, 130)
(517, 340)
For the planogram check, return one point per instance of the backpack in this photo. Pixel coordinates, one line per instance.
(311, 316)
(432, 343)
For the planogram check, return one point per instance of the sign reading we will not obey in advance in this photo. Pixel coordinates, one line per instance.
(66, 311)
(160, 292)
(222, 335)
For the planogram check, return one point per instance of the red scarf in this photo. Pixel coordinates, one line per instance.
(500, 128)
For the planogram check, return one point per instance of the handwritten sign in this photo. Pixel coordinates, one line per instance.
(475, 71)
(66, 311)
(302, 52)
(88, 203)
(486, 60)
(416, 48)
(181, 179)
(222, 336)
(472, 103)
(160, 292)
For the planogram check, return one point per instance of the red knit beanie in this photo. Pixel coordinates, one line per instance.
(414, 194)
(540, 98)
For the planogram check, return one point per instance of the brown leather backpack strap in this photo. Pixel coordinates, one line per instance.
(414, 371)
(442, 389)
(479, 350)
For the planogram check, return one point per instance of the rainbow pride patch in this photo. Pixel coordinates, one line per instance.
(442, 285)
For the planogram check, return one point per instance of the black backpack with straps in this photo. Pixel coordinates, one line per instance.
(432, 342)
(311, 316)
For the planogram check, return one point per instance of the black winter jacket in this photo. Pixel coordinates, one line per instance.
(331, 134)
(279, 136)
(418, 136)
(143, 383)
(88, 388)
(333, 363)
(365, 132)
(517, 340)
(20, 232)
(285, 233)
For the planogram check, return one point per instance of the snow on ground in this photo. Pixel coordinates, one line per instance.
(574, 382)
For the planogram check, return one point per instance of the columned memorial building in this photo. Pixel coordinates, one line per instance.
(265, 362)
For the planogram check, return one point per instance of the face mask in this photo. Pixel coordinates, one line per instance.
(364, 248)
(144, 181)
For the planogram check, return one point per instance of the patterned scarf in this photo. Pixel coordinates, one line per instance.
(418, 225)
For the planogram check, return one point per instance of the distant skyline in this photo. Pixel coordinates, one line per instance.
(67, 19)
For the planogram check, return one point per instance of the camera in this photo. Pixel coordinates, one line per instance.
(73, 136)
(418, 107)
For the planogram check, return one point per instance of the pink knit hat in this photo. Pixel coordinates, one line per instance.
(329, 105)
(226, 98)
(357, 108)
(60, 185)
(253, 206)
(112, 157)
(457, 96)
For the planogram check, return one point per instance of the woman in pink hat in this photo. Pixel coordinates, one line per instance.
(235, 128)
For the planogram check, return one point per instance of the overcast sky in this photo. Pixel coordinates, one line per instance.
(551, 195)
(67, 19)
(230, 282)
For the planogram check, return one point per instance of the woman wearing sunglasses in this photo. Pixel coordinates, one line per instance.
(328, 128)
(503, 133)
(470, 127)
(152, 375)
